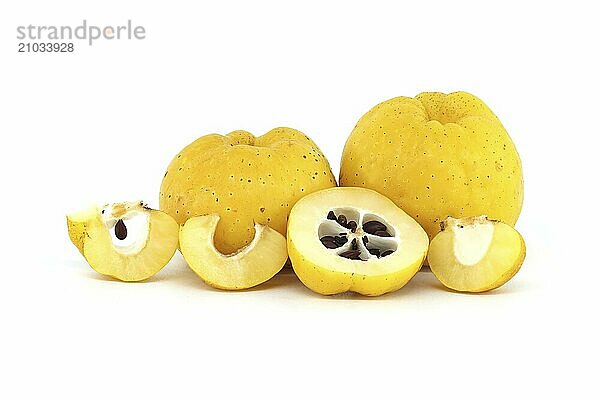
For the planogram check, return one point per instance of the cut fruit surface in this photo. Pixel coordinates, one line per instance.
(127, 241)
(475, 254)
(354, 239)
(251, 265)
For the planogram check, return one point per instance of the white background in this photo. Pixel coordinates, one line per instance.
(101, 124)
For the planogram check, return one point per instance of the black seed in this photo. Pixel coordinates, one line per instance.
(331, 216)
(382, 234)
(340, 240)
(387, 253)
(120, 230)
(341, 219)
(352, 226)
(365, 240)
(354, 244)
(351, 254)
(373, 226)
(329, 242)
(343, 234)
(375, 252)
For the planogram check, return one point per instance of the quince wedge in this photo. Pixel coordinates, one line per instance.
(128, 241)
(475, 254)
(251, 265)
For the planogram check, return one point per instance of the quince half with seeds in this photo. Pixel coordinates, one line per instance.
(128, 241)
(354, 239)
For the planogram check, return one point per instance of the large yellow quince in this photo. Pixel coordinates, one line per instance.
(436, 155)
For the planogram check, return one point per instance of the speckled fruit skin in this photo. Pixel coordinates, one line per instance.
(436, 155)
(244, 179)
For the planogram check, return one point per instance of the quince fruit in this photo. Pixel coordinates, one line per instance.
(244, 180)
(436, 155)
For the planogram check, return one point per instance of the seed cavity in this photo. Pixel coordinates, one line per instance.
(329, 242)
(387, 253)
(341, 240)
(120, 230)
(351, 254)
(382, 234)
(376, 228)
(344, 231)
(352, 226)
(375, 252)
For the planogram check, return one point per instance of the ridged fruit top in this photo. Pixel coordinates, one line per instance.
(244, 179)
(436, 155)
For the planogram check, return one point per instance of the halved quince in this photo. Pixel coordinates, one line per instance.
(475, 254)
(354, 239)
(251, 265)
(128, 241)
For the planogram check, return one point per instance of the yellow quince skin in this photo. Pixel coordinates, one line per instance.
(436, 155)
(244, 180)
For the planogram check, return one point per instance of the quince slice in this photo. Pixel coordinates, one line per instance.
(354, 239)
(251, 265)
(127, 241)
(475, 254)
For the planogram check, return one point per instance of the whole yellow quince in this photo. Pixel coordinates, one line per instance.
(244, 180)
(436, 155)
